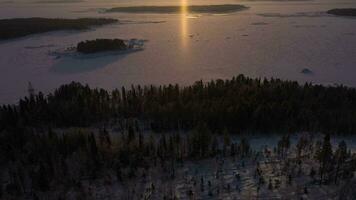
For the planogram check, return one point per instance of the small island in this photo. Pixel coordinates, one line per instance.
(306, 71)
(100, 45)
(103, 45)
(217, 9)
(348, 12)
(19, 27)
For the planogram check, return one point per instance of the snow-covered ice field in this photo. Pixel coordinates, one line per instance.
(271, 38)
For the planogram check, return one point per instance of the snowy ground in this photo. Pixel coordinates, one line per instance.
(219, 182)
(222, 178)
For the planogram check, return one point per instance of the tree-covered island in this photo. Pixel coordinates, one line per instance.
(19, 27)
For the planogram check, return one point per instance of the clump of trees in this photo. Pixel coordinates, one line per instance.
(19, 27)
(99, 45)
(334, 165)
(239, 104)
(44, 160)
(41, 160)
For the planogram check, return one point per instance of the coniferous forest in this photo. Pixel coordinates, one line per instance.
(197, 128)
(240, 104)
(20, 27)
(179, 142)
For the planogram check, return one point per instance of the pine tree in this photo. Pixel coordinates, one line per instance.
(324, 156)
(104, 138)
(42, 180)
(227, 140)
(131, 135)
(312, 173)
(270, 186)
(340, 156)
(244, 147)
(215, 146)
(283, 145)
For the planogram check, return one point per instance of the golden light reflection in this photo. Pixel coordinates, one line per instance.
(184, 22)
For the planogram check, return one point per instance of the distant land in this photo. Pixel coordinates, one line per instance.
(350, 12)
(19, 27)
(60, 1)
(224, 8)
(6, 2)
(279, 0)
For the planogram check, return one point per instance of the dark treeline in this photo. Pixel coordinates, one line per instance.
(224, 8)
(19, 27)
(99, 45)
(350, 12)
(238, 104)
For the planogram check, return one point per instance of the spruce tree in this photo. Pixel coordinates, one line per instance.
(324, 156)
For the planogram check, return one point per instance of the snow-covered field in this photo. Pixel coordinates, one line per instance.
(271, 38)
